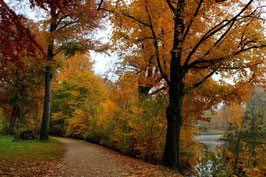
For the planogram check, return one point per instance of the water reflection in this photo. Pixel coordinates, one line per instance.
(211, 140)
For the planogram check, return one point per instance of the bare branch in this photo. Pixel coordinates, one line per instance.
(252, 77)
(129, 16)
(66, 25)
(156, 91)
(238, 67)
(61, 18)
(100, 5)
(57, 52)
(204, 79)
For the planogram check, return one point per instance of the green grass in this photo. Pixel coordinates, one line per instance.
(1, 120)
(28, 157)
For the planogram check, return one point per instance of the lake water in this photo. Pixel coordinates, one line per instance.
(211, 140)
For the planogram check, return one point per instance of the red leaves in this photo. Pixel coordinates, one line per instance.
(203, 129)
(204, 119)
(17, 41)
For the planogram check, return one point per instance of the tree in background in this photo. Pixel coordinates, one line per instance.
(77, 96)
(256, 109)
(244, 141)
(229, 114)
(68, 25)
(186, 42)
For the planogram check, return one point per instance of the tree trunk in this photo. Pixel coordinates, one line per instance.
(171, 157)
(253, 128)
(15, 116)
(13, 119)
(44, 134)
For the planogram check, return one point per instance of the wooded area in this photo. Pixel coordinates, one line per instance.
(167, 93)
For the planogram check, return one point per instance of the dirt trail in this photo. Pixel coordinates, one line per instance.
(85, 159)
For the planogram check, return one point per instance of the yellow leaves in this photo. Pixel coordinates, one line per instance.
(248, 163)
(78, 124)
(58, 115)
(78, 63)
(79, 96)
(109, 106)
(233, 114)
(256, 172)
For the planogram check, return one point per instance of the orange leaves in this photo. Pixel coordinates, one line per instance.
(208, 37)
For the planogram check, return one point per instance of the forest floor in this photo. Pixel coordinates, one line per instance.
(29, 158)
(86, 159)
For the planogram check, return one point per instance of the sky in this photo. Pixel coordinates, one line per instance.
(103, 62)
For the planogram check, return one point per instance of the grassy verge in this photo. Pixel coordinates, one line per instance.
(29, 158)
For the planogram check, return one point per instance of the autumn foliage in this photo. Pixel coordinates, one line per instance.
(181, 63)
(20, 65)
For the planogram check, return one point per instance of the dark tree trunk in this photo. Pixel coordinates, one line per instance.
(171, 157)
(44, 134)
(15, 116)
(13, 119)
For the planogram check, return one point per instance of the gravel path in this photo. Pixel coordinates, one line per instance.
(85, 159)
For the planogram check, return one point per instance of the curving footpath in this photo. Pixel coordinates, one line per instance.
(85, 159)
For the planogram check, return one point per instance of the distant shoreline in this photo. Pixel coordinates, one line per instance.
(212, 134)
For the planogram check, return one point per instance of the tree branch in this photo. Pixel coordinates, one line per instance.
(61, 18)
(192, 20)
(145, 38)
(129, 16)
(16, 20)
(203, 80)
(170, 5)
(156, 91)
(100, 5)
(66, 25)
(216, 29)
(212, 61)
(57, 52)
(156, 48)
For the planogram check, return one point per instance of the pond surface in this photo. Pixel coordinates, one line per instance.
(211, 140)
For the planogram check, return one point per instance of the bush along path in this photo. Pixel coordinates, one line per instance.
(86, 159)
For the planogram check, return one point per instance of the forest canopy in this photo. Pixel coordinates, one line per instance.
(166, 94)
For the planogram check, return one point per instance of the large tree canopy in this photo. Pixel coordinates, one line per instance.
(68, 26)
(185, 43)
